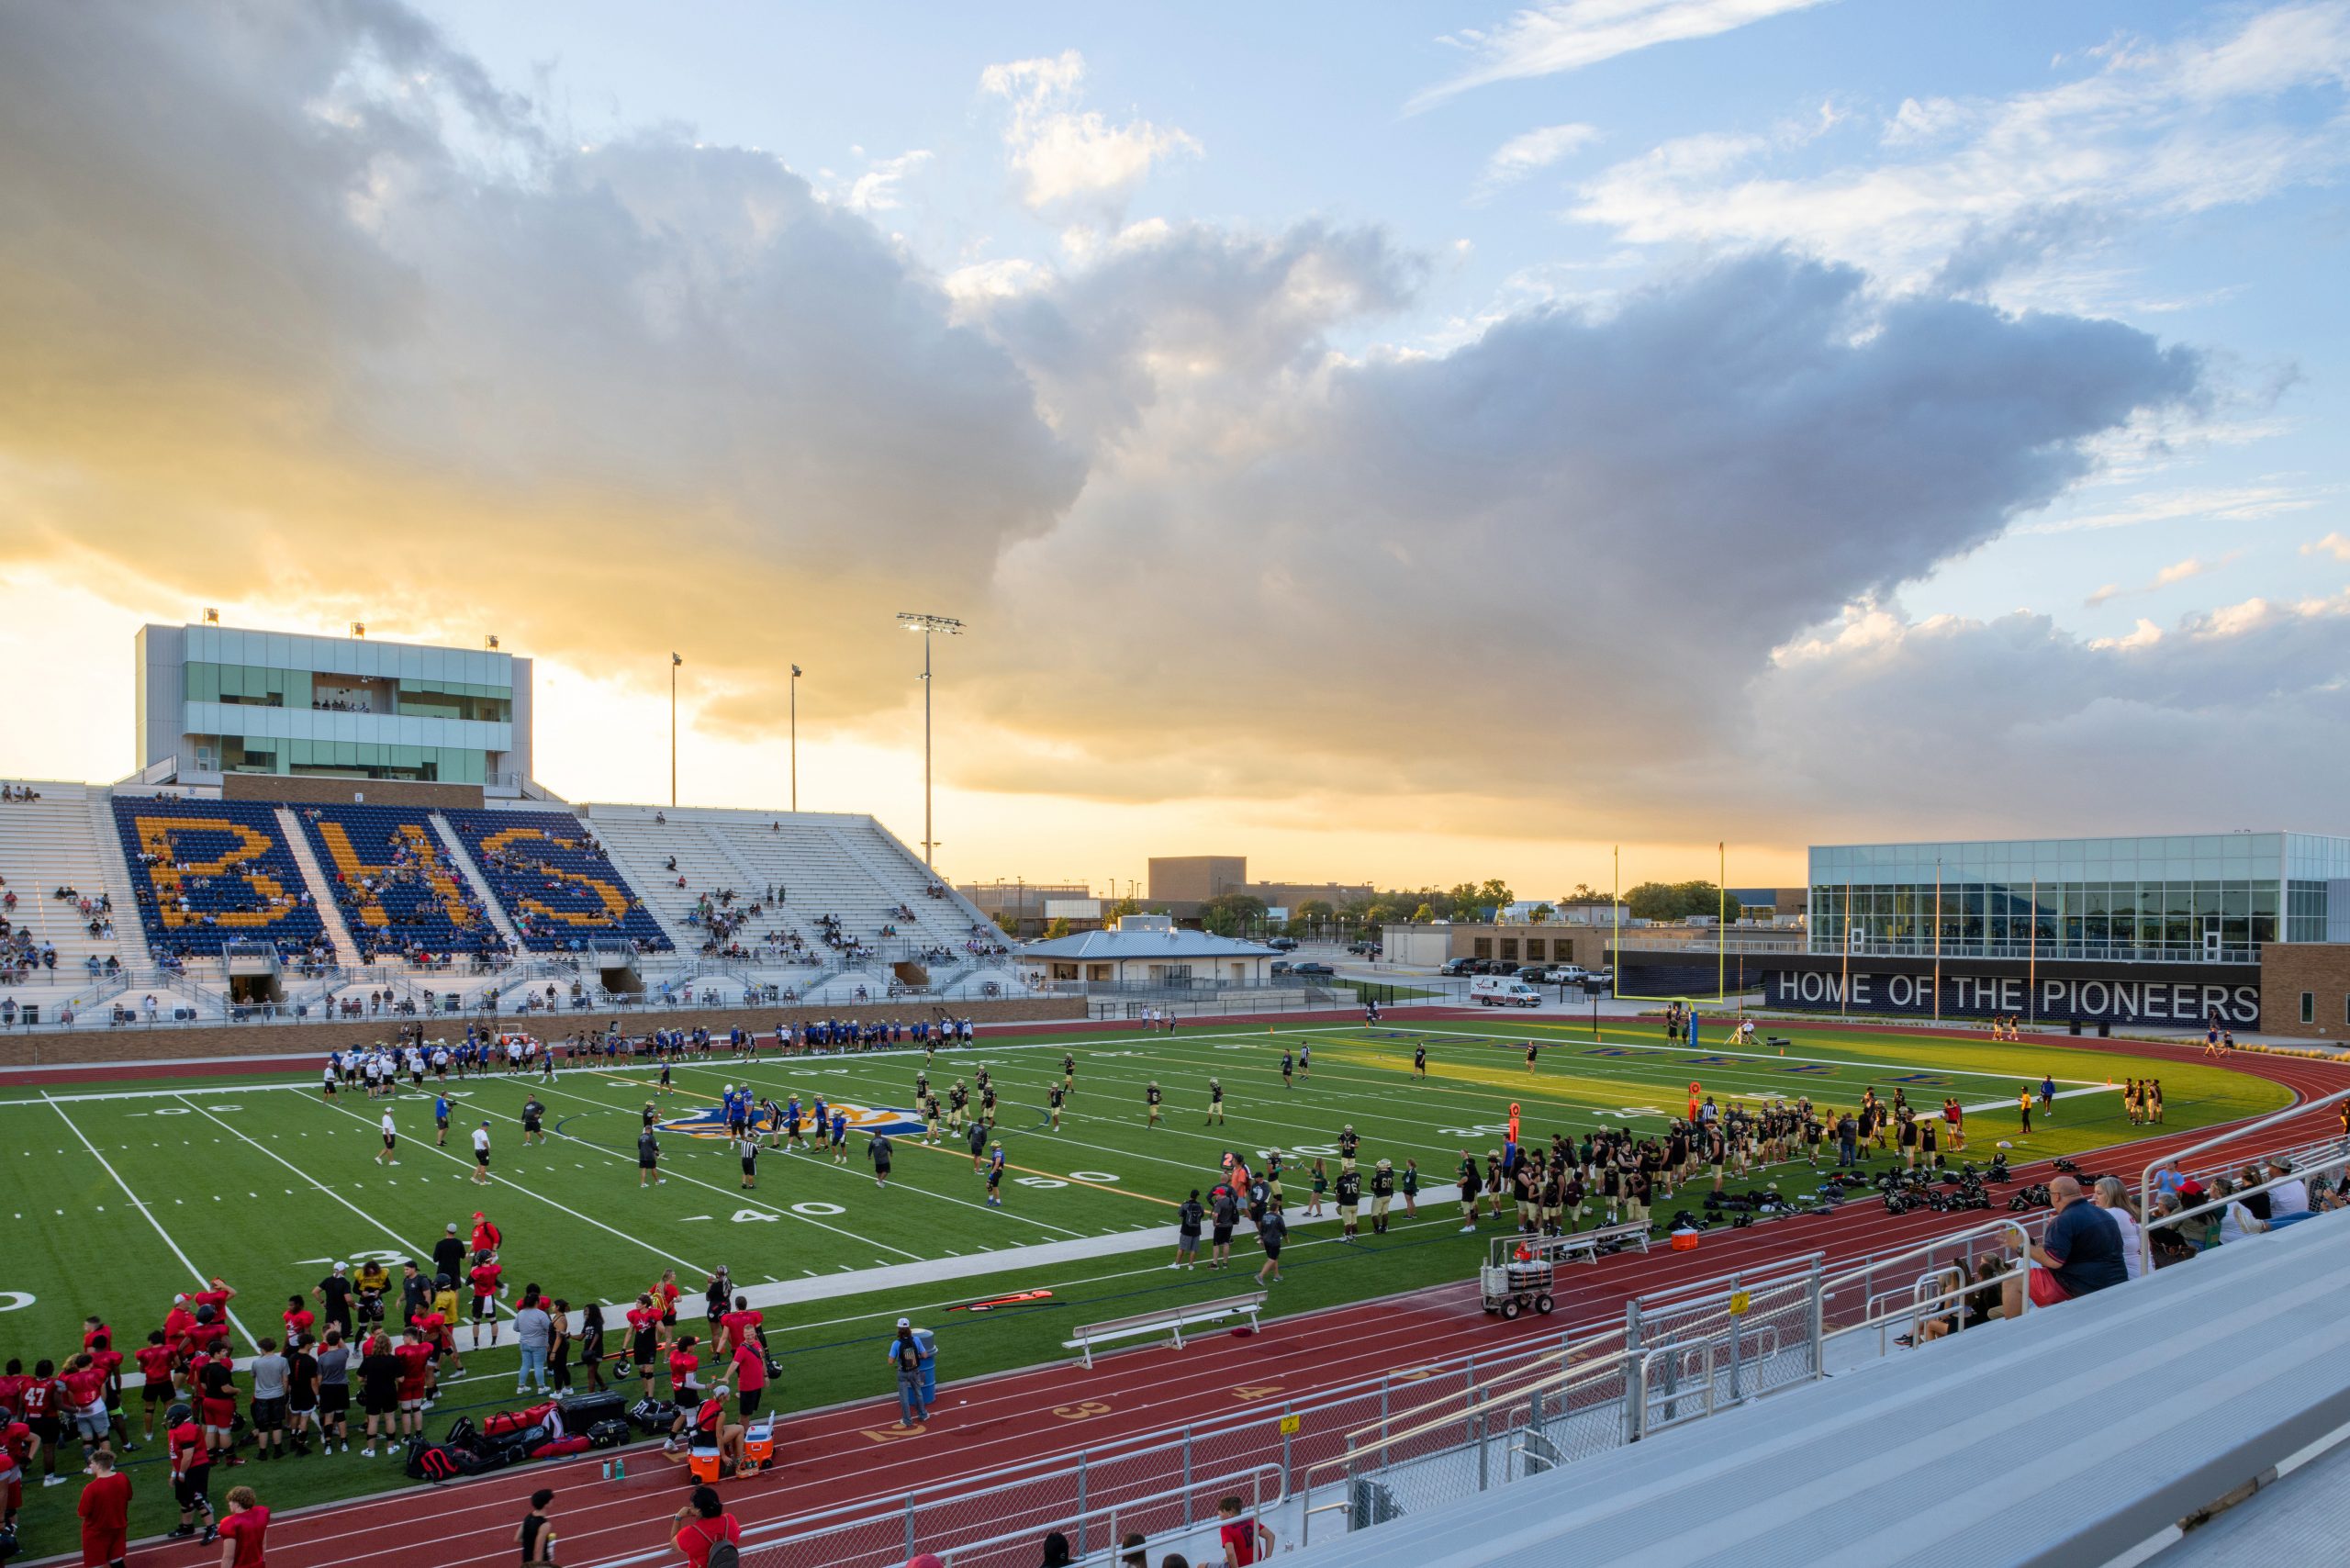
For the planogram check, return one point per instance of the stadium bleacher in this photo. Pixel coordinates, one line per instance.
(47, 847)
(399, 894)
(838, 883)
(553, 880)
(206, 873)
(2073, 1436)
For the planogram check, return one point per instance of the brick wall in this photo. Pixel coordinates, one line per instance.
(2320, 969)
(325, 791)
(24, 1048)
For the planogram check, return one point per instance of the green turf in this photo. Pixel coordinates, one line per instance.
(260, 1181)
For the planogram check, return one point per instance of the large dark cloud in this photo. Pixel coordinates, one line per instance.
(1564, 549)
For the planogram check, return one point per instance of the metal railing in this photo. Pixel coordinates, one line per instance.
(2146, 1183)
(2046, 949)
(1172, 1509)
(1119, 1475)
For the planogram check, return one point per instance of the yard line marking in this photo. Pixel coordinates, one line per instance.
(934, 1148)
(542, 1197)
(838, 1169)
(406, 1245)
(713, 1186)
(202, 1279)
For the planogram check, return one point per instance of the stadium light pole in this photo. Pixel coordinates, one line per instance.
(795, 738)
(675, 660)
(926, 624)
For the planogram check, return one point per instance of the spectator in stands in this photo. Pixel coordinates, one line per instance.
(701, 1523)
(2170, 1245)
(1055, 1551)
(2290, 1199)
(2237, 1223)
(2256, 1202)
(2114, 1198)
(1242, 1537)
(2081, 1252)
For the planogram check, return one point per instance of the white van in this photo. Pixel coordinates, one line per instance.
(1504, 991)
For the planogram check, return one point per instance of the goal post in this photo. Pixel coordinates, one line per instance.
(1697, 952)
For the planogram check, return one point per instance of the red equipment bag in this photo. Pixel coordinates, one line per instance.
(507, 1422)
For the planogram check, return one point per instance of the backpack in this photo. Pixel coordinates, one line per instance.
(722, 1553)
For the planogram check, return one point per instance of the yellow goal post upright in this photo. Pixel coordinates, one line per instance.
(1721, 991)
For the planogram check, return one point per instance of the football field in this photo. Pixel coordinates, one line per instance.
(117, 1196)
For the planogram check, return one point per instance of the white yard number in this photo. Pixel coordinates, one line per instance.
(810, 1209)
(744, 1216)
(1039, 1182)
(1093, 1175)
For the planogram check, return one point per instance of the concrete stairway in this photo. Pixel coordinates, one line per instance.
(461, 858)
(289, 828)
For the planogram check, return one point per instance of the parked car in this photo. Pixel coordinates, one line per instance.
(1285, 944)
(1504, 991)
(1280, 967)
(1564, 974)
(1456, 967)
(1312, 969)
(1533, 973)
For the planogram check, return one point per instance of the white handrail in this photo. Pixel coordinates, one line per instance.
(2146, 1178)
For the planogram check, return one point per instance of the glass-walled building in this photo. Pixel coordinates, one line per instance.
(219, 699)
(2213, 898)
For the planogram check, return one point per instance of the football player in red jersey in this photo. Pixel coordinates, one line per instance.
(415, 1356)
(191, 1471)
(488, 1288)
(644, 1336)
(37, 1406)
(155, 1359)
(16, 1448)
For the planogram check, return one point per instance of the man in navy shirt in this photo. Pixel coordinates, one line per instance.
(2080, 1253)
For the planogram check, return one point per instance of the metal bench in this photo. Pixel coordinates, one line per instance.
(1172, 1319)
(1587, 1243)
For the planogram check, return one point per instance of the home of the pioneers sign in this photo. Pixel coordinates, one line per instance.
(2232, 1005)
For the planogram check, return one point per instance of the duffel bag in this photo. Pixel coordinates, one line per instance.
(562, 1447)
(506, 1421)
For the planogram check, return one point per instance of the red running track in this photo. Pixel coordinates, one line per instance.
(826, 1460)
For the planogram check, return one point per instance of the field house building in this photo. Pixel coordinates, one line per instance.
(2247, 930)
(1148, 951)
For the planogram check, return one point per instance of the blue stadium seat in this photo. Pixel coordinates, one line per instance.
(398, 893)
(205, 873)
(554, 882)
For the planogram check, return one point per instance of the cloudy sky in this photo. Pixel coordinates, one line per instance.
(1394, 442)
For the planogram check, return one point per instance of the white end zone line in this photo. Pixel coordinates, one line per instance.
(625, 1064)
(1739, 1055)
(202, 1279)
